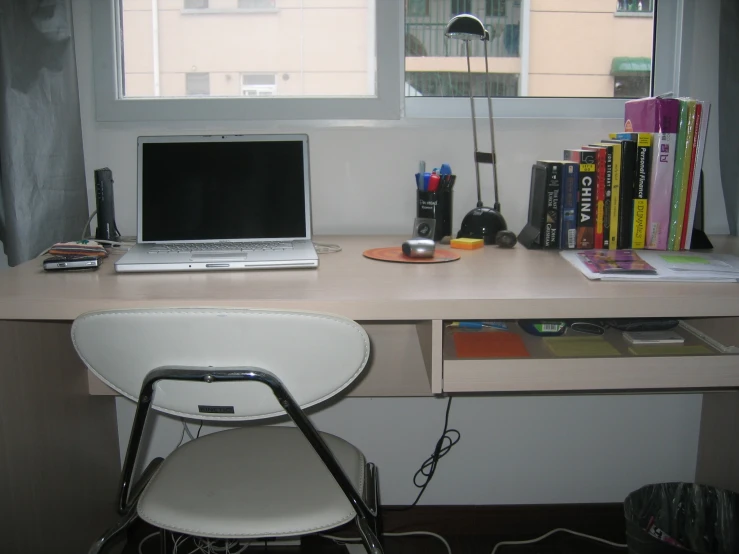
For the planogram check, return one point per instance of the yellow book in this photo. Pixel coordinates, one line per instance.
(675, 244)
(615, 193)
(641, 191)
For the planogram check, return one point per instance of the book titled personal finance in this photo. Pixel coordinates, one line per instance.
(659, 116)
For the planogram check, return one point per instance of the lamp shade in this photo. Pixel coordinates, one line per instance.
(466, 27)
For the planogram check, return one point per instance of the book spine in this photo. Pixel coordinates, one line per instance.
(660, 190)
(696, 174)
(600, 194)
(626, 194)
(586, 201)
(568, 201)
(682, 200)
(607, 197)
(677, 175)
(553, 187)
(691, 175)
(615, 192)
(641, 190)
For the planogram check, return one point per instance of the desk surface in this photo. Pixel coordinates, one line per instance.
(491, 282)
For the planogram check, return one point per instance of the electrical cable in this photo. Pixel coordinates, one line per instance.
(323, 248)
(199, 429)
(87, 225)
(545, 535)
(341, 540)
(423, 476)
(182, 436)
(187, 429)
(146, 538)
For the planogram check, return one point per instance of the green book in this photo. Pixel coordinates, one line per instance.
(677, 175)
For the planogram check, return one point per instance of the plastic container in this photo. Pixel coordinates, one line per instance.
(674, 518)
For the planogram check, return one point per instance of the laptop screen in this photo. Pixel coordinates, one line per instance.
(225, 187)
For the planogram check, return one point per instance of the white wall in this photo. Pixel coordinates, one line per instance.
(526, 450)
(514, 450)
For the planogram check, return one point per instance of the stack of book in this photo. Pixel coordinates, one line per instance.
(635, 189)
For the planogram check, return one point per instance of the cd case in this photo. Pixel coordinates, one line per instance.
(653, 337)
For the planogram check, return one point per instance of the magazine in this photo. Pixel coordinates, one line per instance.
(615, 261)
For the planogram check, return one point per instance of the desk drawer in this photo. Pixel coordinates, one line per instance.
(622, 371)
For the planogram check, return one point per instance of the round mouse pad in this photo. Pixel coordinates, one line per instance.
(395, 254)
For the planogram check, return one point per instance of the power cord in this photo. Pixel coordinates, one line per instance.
(560, 529)
(323, 248)
(87, 225)
(423, 476)
(340, 540)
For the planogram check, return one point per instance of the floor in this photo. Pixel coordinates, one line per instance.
(559, 543)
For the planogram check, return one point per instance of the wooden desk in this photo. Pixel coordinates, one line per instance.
(58, 430)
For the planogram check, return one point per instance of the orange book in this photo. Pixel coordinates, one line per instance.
(489, 344)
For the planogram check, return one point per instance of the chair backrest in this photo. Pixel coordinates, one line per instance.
(315, 355)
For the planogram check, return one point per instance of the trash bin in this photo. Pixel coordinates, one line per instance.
(675, 518)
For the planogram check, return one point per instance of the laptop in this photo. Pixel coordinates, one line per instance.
(225, 202)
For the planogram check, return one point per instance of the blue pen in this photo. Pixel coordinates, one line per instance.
(445, 169)
(426, 178)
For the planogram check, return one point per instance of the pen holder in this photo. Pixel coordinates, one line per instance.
(436, 206)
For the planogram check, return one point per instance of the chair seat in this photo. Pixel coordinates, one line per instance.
(250, 483)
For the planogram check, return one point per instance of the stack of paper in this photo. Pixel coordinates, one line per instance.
(668, 266)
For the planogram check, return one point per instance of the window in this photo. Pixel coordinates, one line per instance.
(196, 4)
(256, 4)
(197, 84)
(635, 6)
(535, 49)
(495, 8)
(529, 54)
(461, 6)
(417, 8)
(327, 60)
(258, 85)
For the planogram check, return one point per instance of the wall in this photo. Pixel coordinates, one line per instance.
(513, 450)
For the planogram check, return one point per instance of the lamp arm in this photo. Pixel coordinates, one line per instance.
(474, 124)
(496, 205)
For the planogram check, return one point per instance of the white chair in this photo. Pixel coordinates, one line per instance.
(225, 365)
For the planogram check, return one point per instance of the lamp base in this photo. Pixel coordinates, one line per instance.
(482, 223)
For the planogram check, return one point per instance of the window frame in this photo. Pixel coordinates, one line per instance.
(391, 103)
(110, 106)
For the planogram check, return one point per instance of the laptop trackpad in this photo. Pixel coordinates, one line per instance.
(217, 256)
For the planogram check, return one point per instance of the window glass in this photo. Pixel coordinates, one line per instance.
(312, 49)
(545, 48)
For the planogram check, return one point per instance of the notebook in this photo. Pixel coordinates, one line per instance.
(222, 202)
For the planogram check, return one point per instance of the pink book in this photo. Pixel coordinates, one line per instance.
(661, 117)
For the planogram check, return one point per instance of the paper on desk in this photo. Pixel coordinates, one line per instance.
(675, 266)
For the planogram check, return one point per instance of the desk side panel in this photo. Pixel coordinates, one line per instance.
(60, 464)
(718, 448)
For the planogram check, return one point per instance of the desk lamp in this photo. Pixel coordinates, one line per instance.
(481, 222)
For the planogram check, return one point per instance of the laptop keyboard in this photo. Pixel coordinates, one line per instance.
(220, 247)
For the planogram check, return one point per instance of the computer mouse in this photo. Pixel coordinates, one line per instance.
(419, 248)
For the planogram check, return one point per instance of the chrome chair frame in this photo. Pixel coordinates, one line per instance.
(368, 520)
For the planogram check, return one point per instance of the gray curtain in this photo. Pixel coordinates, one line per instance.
(43, 196)
(728, 98)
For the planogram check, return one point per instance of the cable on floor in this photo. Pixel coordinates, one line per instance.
(550, 533)
(341, 540)
(422, 478)
(323, 248)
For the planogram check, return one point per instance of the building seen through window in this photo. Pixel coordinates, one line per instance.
(283, 48)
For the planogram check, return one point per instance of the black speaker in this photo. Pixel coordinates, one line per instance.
(106, 229)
